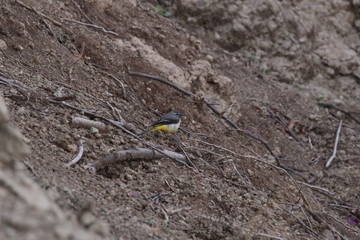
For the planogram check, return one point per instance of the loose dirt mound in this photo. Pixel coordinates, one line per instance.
(265, 178)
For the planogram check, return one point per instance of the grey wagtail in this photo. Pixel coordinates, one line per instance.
(168, 123)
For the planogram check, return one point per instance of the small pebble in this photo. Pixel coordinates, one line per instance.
(250, 172)
(3, 45)
(134, 140)
(71, 148)
(94, 130)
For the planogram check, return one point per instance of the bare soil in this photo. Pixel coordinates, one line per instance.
(286, 72)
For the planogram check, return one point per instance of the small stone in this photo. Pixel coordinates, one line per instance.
(26, 140)
(98, 135)
(34, 124)
(14, 91)
(250, 172)
(94, 130)
(134, 140)
(18, 47)
(21, 110)
(100, 228)
(87, 219)
(71, 148)
(67, 136)
(314, 117)
(4, 114)
(209, 58)
(58, 92)
(3, 45)
(128, 177)
(302, 40)
(130, 126)
(233, 8)
(191, 20)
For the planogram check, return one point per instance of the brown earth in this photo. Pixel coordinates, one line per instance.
(285, 71)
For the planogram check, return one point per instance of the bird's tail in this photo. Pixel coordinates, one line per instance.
(143, 133)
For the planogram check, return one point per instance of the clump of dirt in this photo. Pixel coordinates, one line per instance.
(251, 60)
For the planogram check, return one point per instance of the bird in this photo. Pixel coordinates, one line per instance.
(169, 123)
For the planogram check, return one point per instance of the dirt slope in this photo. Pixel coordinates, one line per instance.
(235, 54)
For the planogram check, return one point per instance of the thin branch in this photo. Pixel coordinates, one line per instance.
(341, 206)
(347, 113)
(337, 232)
(79, 8)
(216, 146)
(340, 222)
(115, 113)
(301, 222)
(39, 13)
(307, 218)
(78, 156)
(133, 154)
(265, 143)
(188, 158)
(317, 188)
(91, 25)
(207, 151)
(332, 157)
(156, 196)
(116, 80)
(164, 211)
(65, 98)
(284, 125)
(18, 84)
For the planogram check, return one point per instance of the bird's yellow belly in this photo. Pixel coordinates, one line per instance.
(167, 128)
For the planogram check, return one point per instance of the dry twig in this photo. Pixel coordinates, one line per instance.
(317, 188)
(91, 25)
(332, 157)
(347, 113)
(116, 80)
(79, 8)
(18, 84)
(65, 98)
(285, 126)
(39, 13)
(188, 158)
(133, 154)
(156, 196)
(78, 156)
(301, 222)
(115, 113)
